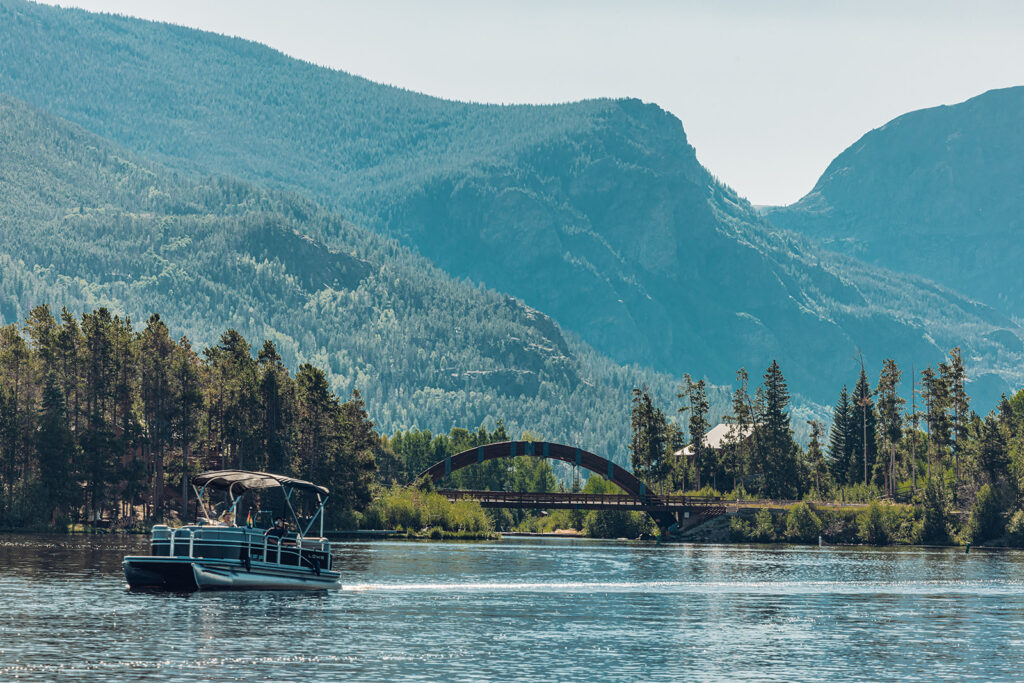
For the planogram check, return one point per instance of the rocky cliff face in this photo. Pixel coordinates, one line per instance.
(937, 192)
(620, 234)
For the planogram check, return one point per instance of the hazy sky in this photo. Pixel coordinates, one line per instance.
(769, 92)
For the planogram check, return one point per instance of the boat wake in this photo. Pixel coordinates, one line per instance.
(686, 587)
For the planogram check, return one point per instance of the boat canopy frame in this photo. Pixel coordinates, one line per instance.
(239, 482)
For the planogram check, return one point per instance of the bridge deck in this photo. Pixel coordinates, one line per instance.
(583, 501)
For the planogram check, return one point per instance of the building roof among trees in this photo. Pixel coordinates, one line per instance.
(718, 436)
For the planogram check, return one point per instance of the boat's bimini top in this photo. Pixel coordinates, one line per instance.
(243, 480)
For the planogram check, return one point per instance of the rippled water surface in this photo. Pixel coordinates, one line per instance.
(525, 609)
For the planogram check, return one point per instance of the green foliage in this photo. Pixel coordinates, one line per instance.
(872, 527)
(986, 521)
(763, 528)
(99, 420)
(614, 523)
(705, 492)
(739, 529)
(618, 524)
(553, 521)
(1015, 529)
(424, 349)
(858, 493)
(609, 191)
(937, 523)
(412, 510)
(802, 525)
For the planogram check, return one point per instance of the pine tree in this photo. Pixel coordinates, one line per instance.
(17, 373)
(97, 440)
(935, 394)
(698, 408)
(314, 424)
(959, 405)
(647, 441)
(816, 465)
(353, 462)
(993, 451)
(778, 447)
(55, 446)
(860, 434)
(838, 448)
(69, 345)
(187, 396)
(890, 406)
(744, 432)
(275, 391)
(8, 451)
(155, 355)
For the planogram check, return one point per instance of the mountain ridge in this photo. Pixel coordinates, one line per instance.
(930, 193)
(87, 224)
(597, 213)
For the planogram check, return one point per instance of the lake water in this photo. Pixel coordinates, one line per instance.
(525, 609)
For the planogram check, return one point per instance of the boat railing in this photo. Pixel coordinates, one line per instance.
(300, 544)
(288, 551)
(191, 540)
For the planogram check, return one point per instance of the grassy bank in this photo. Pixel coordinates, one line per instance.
(424, 514)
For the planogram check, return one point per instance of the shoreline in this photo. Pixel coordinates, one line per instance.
(389, 534)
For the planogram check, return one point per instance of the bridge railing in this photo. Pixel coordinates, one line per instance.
(516, 498)
(650, 501)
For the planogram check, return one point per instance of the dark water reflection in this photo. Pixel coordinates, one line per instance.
(525, 610)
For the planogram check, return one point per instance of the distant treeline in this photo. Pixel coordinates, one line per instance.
(102, 422)
(930, 449)
(98, 420)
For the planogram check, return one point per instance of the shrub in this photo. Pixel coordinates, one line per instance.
(802, 525)
(905, 525)
(400, 510)
(986, 520)
(859, 493)
(413, 510)
(872, 527)
(935, 507)
(617, 524)
(764, 528)
(707, 491)
(738, 493)
(1015, 529)
(372, 518)
(838, 526)
(739, 529)
(467, 515)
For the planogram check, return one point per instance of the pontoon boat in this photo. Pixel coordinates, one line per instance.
(218, 555)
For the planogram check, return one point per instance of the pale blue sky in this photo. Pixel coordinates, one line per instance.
(769, 92)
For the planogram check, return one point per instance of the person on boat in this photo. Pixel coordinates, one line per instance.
(277, 531)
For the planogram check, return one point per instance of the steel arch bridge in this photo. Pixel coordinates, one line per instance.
(663, 509)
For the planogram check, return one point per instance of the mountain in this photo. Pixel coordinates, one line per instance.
(937, 192)
(597, 213)
(85, 223)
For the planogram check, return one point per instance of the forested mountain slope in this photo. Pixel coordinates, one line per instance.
(83, 223)
(937, 192)
(597, 212)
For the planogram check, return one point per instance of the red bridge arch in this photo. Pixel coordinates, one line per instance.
(552, 451)
(541, 449)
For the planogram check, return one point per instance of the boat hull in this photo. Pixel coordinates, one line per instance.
(191, 574)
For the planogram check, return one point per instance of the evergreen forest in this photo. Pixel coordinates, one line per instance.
(597, 213)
